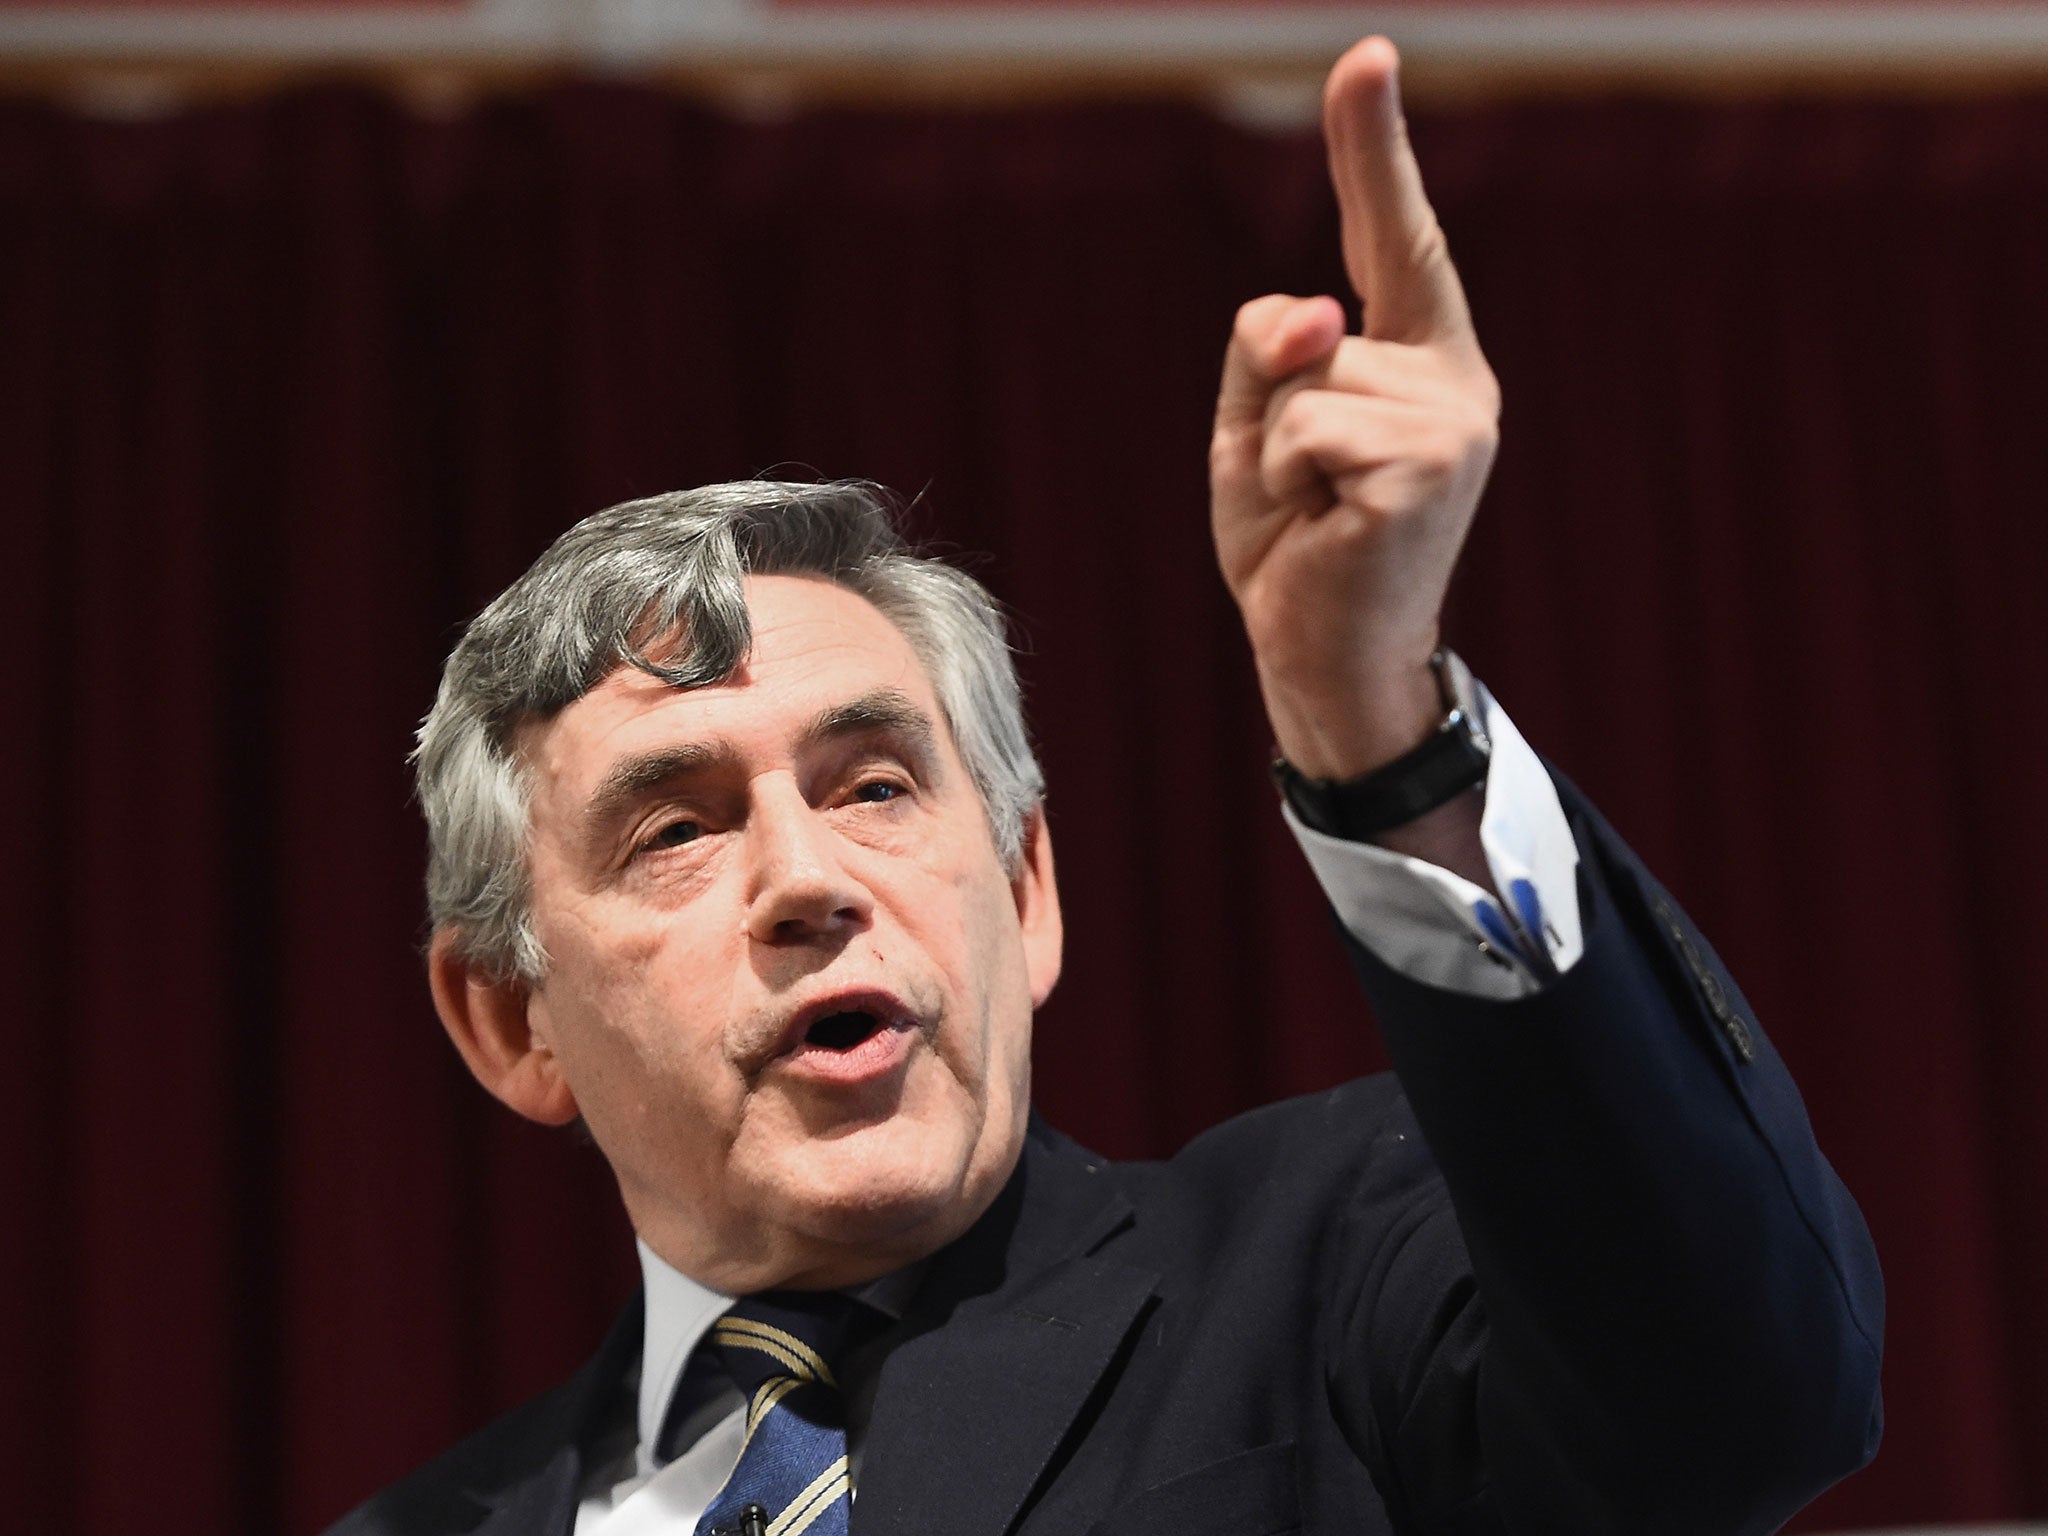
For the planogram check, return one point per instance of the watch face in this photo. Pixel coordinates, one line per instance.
(1461, 697)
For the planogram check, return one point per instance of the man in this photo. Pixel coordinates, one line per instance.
(739, 859)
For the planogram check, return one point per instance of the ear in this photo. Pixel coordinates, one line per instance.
(489, 1021)
(1038, 908)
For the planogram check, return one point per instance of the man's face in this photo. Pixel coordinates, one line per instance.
(792, 983)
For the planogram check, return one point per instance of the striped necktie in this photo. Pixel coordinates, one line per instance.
(792, 1477)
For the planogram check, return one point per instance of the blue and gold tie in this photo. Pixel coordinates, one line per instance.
(792, 1476)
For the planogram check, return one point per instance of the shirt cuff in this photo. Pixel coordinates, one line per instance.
(1439, 928)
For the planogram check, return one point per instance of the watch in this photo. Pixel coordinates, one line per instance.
(1453, 760)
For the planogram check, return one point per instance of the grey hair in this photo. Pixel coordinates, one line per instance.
(656, 584)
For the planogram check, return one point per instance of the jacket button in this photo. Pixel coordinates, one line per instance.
(1739, 1037)
(1711, 990)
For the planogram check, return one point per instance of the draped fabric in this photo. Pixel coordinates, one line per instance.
(289, 387)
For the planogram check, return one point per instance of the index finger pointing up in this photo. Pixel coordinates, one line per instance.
(1393, 248)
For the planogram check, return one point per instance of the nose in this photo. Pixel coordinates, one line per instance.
(799, 887)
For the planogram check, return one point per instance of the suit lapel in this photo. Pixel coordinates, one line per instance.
(542, 1503)
(531, 1489)
(1011, 1333)
(1013, 1328)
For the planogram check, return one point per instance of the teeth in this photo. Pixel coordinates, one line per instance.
(841, 1031)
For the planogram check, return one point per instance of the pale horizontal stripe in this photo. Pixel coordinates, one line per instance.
(812, 1502)
(737, 35)
(770, 1394)
(786, 1347)
(768, 1347)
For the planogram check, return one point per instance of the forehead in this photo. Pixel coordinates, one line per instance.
(815, 645)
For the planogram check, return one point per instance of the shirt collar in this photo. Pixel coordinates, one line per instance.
(680, 1312)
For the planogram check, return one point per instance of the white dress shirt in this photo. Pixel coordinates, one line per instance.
(1437, 927)
(1430, 924)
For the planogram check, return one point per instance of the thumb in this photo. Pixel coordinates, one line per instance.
(1275, 337)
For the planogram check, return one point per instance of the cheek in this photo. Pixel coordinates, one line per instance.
(999, 1077)
(1002, 1002)
(632, 1024)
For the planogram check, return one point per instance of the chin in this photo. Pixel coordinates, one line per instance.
(890, 1194)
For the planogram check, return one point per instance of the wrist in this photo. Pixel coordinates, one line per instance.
(1343, 729)
(1449, 760)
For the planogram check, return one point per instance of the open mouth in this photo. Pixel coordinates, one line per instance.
(843, 1031)
(851, 1035)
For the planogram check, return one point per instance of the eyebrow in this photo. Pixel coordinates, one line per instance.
(881, 711)
(632, 779)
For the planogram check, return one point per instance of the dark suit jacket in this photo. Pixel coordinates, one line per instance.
(1580, 1269)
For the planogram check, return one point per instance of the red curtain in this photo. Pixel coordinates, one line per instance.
(288, 388)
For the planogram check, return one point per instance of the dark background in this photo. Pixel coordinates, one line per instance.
(289, 387)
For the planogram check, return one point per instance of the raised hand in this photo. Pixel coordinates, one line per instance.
(1344, 470)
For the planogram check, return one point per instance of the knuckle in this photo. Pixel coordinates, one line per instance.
(1284, 469)
(1255, 319)
(1429, 247)
(1274, 473)
(1294, 414)
(1275, 477)
(1228, 449)
(1450, 449)
(1486, 391)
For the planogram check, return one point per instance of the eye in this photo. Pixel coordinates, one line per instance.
(674, 835)
(878, 791)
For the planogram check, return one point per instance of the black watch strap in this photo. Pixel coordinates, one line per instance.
(1453, 760)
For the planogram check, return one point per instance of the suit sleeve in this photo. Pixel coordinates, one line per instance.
(1648, 1304)
(1435, 926)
